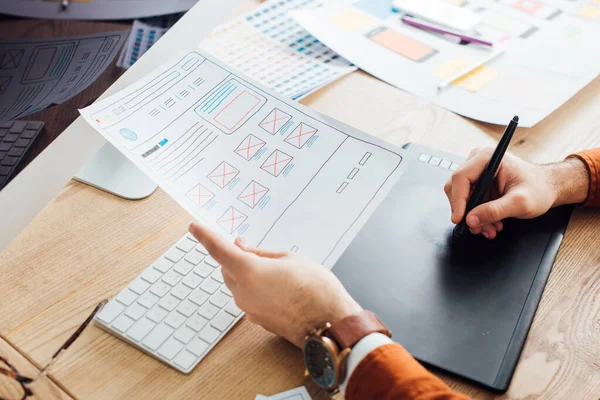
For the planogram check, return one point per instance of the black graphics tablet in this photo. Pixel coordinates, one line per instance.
(466, 309)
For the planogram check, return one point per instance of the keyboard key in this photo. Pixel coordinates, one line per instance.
(210, 285)
(204, 270)
(22, 142)
(140, 329)
(135, 311)
(197, 347)
(209, 334)
(10, 161)
(169, 302)
(217, 275)
(192, 281)
(211, 261)
(445, 164)
(185, 245)
(160, 288)
(183, 267)
(435, 161)
(11, 138)
(16, 152)
(139, 286)
(151, 275)
(424, 157)
(454, 166)
(148, 299)
(185, 359)
(219, 299)
(29, 134)
(208, 310)
(157, 314)
(162, 264)
(181, 291)
(174, 254)
(187, 308)
(233, 309)
(5, 170)
(4, 146)
(170, 348)
(226, 290)
(175, 319)
(126, 297)
(191, 237)
(194, 257)
(110, 311)
(18, 126)
(222, 321)
(35, 125)
(158, 336)
(123, 323)
(172, 278)
(185, 334)
(197, 322)
(198, 297)
(201, 249)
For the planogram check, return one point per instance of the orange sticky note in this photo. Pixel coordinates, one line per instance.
(403, 45)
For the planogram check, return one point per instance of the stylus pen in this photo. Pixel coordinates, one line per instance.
(486, 178)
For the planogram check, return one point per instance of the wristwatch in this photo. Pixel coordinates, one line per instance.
(326, 349)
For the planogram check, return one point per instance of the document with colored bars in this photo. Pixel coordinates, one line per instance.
(247, 161)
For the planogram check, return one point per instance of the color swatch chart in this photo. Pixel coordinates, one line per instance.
(269, 46)
(550, 53)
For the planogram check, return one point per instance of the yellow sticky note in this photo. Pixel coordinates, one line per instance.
(450, 67)
(352, 20)
(589, 12)
(477, 79)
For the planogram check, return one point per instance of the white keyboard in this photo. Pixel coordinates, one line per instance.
(177, 310)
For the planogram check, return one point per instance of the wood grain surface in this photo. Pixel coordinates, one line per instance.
(87, 245)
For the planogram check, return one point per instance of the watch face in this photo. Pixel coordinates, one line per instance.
(320, 363)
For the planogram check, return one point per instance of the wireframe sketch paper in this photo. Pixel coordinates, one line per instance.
(94, 9)
(245, 160)
(269, 46)
(551, 54)
(34, 74)
(299, 393)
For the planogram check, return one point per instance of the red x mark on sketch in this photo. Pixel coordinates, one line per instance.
(275, 121)
(232, 219)
(223, 174)
(276, 162)
(252, 194)
(200, 195)
(249, 147)
(300, 135)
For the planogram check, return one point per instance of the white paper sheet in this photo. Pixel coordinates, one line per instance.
(35, 74)
(269, 46)
(94, 9)
(246, 161)
(299, 393)
(550, 55)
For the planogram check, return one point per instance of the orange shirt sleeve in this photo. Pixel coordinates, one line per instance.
(591, 158)
(389, 373)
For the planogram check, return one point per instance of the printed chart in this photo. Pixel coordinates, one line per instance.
(245, 162)
(528, 79)
(269, 46)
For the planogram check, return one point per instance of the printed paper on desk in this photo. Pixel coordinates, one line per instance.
(299, 393)
(245, 160)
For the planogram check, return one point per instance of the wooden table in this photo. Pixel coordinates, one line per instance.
(87, 245)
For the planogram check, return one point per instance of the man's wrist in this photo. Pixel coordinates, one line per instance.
(570, 180)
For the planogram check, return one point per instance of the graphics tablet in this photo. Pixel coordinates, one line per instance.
(466, 309)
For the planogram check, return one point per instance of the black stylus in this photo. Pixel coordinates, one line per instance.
(486, 178)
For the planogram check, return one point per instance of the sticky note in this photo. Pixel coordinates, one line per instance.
(402, 45)
(352, 20)
(589, 12)
(477, 79)
(450, 67)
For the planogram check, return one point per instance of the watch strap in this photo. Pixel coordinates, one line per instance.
(350, 330)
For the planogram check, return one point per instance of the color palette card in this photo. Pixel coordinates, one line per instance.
(272, 48)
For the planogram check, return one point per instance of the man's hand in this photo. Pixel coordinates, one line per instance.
(283, 292)
(521, 190)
